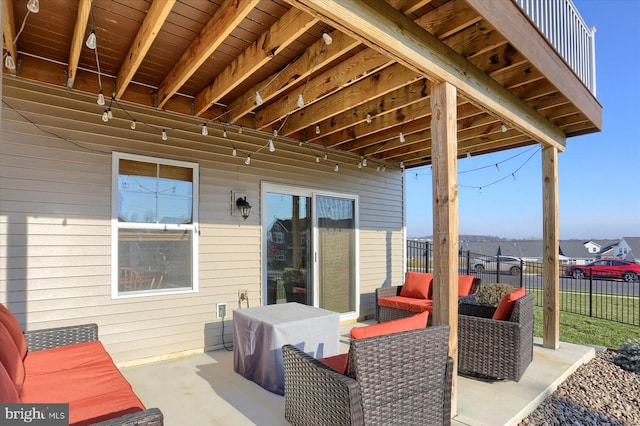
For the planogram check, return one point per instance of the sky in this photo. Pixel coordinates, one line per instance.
(598, 174)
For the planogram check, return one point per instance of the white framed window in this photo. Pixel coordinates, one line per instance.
(154, 233)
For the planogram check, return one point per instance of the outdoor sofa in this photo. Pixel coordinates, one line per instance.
(398, 377)
(496, 342)
(415, 295)
(67, 365)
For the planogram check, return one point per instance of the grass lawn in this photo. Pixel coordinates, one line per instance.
(586, 330)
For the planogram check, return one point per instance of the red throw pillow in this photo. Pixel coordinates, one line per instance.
(464, 284)
(504, 309)
(417, 285)
(11, 323)
(413, 322)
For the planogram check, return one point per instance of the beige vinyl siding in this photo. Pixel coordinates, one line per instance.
(55, 219)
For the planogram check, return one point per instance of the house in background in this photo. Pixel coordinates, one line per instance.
(131, 150)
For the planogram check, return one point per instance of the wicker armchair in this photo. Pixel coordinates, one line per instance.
(50, 338)
(495, 349)
(402, 378)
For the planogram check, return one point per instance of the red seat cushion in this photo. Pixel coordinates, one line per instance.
(504, 309)
(93, 387)
(465, 282)
(339, 362)
(11, 323)
(11, 359)
(407, 304)
(417, 285)
(413, 322)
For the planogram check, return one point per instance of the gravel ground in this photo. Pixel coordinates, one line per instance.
(598, 393)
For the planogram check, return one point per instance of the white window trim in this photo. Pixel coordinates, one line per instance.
(194, 226)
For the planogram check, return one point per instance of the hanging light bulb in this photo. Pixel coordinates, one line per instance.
(234, 152)
(327, 38)
(359, 164)
(91, 40)
(497, 167)
(317, 158)
(100, 100)
(368, 118)
(384, 168)
(272, 147)
(248, 160)
(164, 135)
(240, 130)
(468, 154)
(514, 176)
(33, 6)
(275, 133)
(326, 156)
(110, 113)
(401, 136)
(205, 131)
(503, 128)
(105, 116)
(364, 161)
(317, 129)
(402, 165)
(259, 100)
(9, 62)
(133, 124)
(378, 168)
(300, 101)
(337, 168)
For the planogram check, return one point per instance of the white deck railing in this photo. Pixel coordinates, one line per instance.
(567, 32)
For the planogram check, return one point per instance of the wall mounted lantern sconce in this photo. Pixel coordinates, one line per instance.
(239, 204)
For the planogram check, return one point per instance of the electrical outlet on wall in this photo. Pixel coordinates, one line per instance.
(221, 310)
(243, 295)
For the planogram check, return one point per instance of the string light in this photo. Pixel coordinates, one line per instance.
(368, 118)
(514, 176)
(378, 168)
(317, 158)
(205, 131)
(468, 154)
(110, 113)
(300, 102)
(384, 168)
(326, 156)
(317, 129)
(259, 100)
(33, 6)
(327, 38)
(503, 128)
(275, 133)
(224, 132)
(248, 160)
(234, 152)
(497, 167)
(401, 137)
(272, 147)
(105, 116)
(133, 124)
(336, 168)
(359, 164)
(9, 62)
(91, 40)
(240, 130)
(364, 161)
(402, 165)
(100, 100)
(164, 135)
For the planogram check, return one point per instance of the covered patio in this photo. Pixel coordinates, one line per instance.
(250, 98)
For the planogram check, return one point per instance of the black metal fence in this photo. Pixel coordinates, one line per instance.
(603, 296)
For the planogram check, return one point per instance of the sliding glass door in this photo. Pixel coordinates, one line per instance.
(310, 251)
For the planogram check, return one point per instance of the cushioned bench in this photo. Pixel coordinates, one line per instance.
(67, 365)
(415, 296)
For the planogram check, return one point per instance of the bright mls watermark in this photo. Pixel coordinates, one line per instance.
(34, 414)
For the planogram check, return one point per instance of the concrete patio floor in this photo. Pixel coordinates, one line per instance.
(203, 389)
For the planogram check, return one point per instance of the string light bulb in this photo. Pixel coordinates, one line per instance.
(364, 161)
(91, 40)
(317, 129)
(9, 62)
(326, 156)
(300, 102)
(110, 113)
(378, 168)
(248, 160)
(105, 116)
(359, 164)
(133, 124)
(275, 133)
(401, 137)
(514, 176)
(259, 100)
(384, 168)
(317, 158)
(164, 135)
(100, 100)
(205, 131)
(368, 118)
(234, 152)
(402, 165)
(33, 6)
(272, 147)
(327, 38)
(224, 132)
(468, 154)
(240, 130)
(336, 168)
(503, 128)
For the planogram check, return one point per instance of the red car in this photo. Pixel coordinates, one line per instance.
(606, 268)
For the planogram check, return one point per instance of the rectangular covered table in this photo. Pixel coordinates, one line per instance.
(259, 334)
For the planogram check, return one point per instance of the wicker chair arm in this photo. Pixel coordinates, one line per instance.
(50, 338)
(481, 311)
(388, 291)
(315, 394)
(149, 417)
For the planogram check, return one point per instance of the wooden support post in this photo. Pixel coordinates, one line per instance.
(551, 248)
(445, 218)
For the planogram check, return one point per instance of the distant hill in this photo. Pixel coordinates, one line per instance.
(479, 238)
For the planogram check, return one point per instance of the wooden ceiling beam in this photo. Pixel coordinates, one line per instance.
(408, 6)
(318, 54)
(344, 74)
(9, 33)
(156, 16)
(84, 8)
(383, 28)
(279, 36)
(448, 19)
(222, 23)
